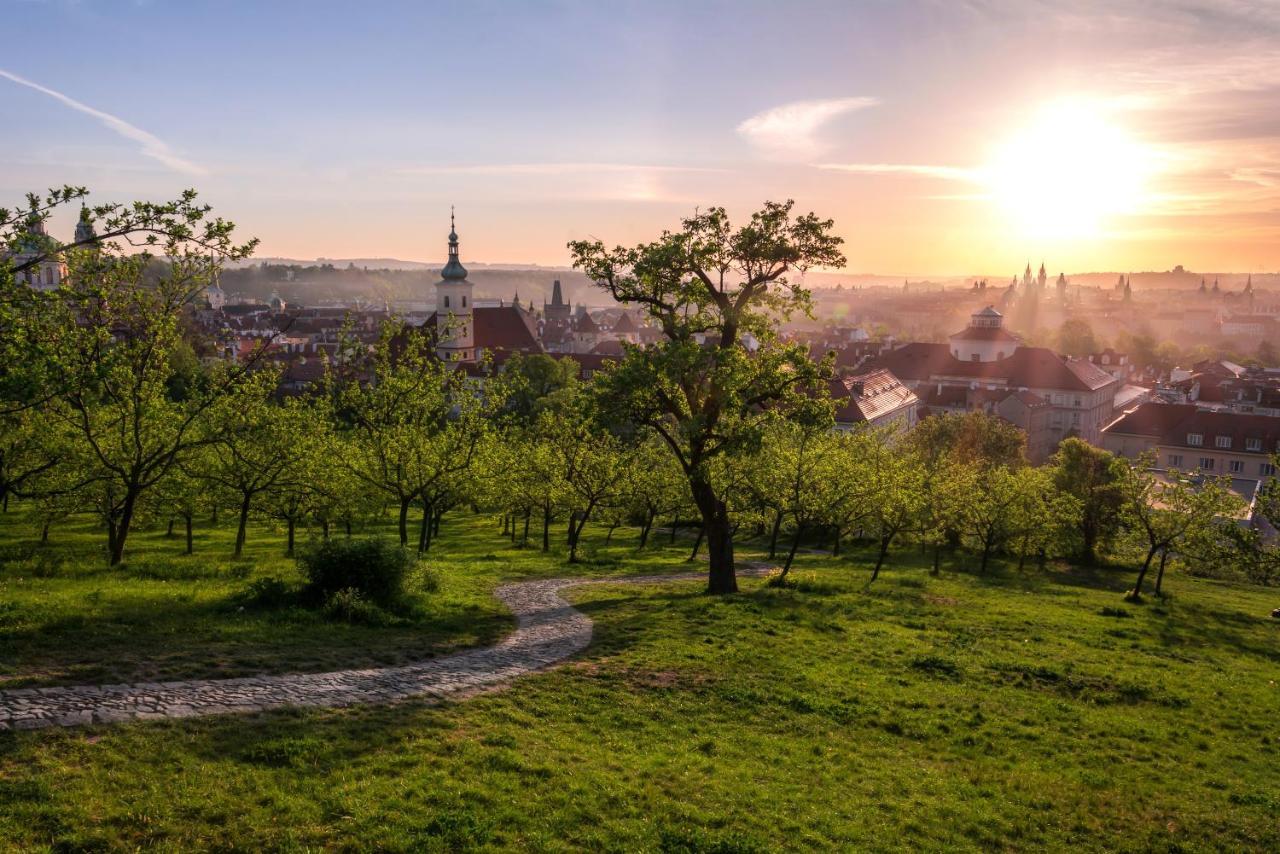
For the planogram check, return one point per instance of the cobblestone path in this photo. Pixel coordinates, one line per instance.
(548, 630)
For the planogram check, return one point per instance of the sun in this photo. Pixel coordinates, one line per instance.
(1068, 173)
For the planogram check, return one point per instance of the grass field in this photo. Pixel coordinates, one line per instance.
(954, 712)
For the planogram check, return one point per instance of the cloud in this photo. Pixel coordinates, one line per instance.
(791, 130)
(950, 173)
(152, 146)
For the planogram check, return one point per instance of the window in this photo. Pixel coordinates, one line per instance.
(1000, 354)
(1253, 444)
(1175, 461)
(1235, 466)
(1079, 402)
(1222, 441)
(973, 357)
(1075, 419)
(446, 302)
(464, 300)
(1206, 463)
(1195, 440)
(1267, 469)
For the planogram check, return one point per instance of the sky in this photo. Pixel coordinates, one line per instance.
(943, 137)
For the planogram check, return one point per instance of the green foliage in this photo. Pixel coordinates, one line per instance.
(702, 389)
(373, 567)
(270, 592)
(974, 438)
(350, 605)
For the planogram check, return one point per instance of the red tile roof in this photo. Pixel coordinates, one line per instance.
(1027, 367)
(1171, 423)
(499, 328)
(867, 396)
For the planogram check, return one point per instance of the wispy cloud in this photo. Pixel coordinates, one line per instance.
(151, 145)
(791, 130)
(950, 173)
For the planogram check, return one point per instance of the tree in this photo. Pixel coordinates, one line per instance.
(654, 486)
(794, 468)
(999, 508)
(1163, 512)
(183, 496)
(974, 437)
(588, 464)
(714, 290)
(97, 356)
(898, 479)
(531, 379)
(1075, 337)
(257, 446)
(1092, 477)
(413, 420)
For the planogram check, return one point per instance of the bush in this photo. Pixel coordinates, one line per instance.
(376, 569)
(269, 593)
(350, 606)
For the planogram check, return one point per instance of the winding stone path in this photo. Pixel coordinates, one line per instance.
(548, 630)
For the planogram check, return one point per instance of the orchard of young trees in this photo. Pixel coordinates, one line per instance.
(720, 429)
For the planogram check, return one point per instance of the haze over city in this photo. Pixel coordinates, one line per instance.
(944, 138)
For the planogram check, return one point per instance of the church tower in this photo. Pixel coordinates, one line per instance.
(455, 329)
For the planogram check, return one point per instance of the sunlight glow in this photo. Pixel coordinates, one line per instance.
(1069, 172)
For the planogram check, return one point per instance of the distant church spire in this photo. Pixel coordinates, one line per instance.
(453, 269)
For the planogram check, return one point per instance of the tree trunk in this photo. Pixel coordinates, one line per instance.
(674, 520)
(436, 516)
(1022, 554)
(546, 527)
(506, 524)
(795, 544)
(528, 512)
(288, 552)
(937, 558)
(324, 528)
(44, 533)
(190, 543)
(644, 531)
(121, 528)
(721, 577)
(347, 523)
(773, 536)
(242, 526)
(1136, 593)
(404, 522)
(169, 531)
(835, 544)
(986, 555)
(608, 538)
(1164, 558)
(697, 544)
(880, 558)
(424, 530)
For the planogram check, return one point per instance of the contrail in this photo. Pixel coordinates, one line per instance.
(152, 146)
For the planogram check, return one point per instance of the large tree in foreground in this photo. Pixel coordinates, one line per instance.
(714, 290)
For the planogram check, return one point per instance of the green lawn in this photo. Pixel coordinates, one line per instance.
(958, 712)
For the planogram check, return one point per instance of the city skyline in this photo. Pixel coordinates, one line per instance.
(1138, 137)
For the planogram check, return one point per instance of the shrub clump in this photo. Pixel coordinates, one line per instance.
(269, 593)
(375, 569)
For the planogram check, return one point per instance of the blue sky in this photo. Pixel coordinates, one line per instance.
(924, 129)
